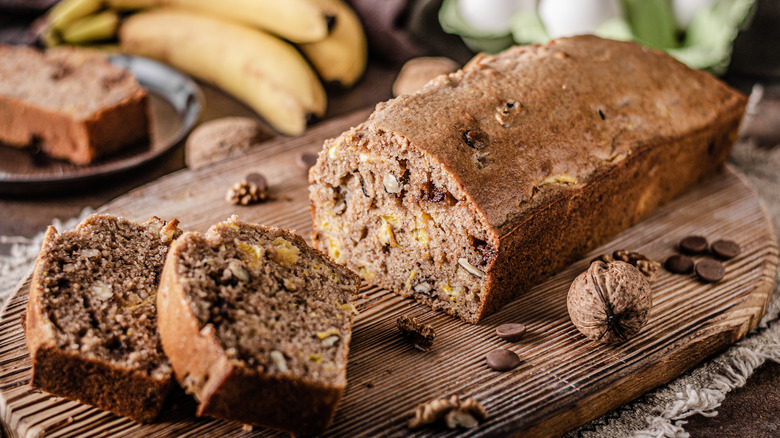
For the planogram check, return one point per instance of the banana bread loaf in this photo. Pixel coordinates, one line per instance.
(257, 325)
(486, 181)
(71, 101)
(91, 322)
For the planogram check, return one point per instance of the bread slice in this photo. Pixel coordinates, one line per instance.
(471, 190)
(71, 101)
(257, 325)
(91, 321)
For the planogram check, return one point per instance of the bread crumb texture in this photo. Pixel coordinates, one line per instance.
(99, 290)
(276, 305)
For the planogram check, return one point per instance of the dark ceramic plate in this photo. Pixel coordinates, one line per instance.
(175, 105)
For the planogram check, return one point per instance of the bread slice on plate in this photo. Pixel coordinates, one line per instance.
(257, 325)
(71, 101)
(91, 321)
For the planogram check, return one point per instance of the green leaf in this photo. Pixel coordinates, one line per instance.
(652, 22)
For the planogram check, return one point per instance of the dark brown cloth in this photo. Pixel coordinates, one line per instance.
(398, 30)
(25, 6)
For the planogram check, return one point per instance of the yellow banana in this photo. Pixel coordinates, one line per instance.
(49, 37)
(342, 56)
(263, 71)
(66, 12)
(97, 27)
(299, 21)
(320, 97)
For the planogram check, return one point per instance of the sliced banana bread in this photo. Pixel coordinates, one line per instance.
(91, 322)
(484, 182)
(72, 101)
(257, 325)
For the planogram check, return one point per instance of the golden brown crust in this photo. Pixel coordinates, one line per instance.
(579, 104)
(559, 233)
(71, 101)
(98, 383)
(227, 388)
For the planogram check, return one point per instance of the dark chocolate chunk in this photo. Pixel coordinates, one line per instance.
(725, 249)
(305, 160)
(502, 360)
(693, 245)
(679, 264)
(512, 332)
(709, 270)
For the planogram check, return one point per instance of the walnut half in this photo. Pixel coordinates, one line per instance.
(610, 302)
(454, 411)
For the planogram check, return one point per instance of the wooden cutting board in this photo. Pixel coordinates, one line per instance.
(563, 381)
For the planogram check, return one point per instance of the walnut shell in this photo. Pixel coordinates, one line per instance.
(221, 138)
(610, 302)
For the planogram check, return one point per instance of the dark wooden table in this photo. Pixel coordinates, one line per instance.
(748, 411)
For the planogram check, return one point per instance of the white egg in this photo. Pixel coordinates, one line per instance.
(575, 17)
(524, 5)
(685, 10)
(491, 16)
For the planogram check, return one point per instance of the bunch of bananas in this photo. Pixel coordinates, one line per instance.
(260, 51)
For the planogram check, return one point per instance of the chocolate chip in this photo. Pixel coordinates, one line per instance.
(305, 160)
(258, 180)
(512, 332)
(476, 139)
(725, 249)
(693, 245)
(679, 264)
(502, 360)
(709, 270)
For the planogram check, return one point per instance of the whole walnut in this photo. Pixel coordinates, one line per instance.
(610, 302)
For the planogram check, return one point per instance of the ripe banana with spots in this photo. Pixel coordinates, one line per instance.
(299, 21)
(340, 57)
(266, 73)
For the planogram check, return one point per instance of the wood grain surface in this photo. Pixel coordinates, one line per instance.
(563, 380)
